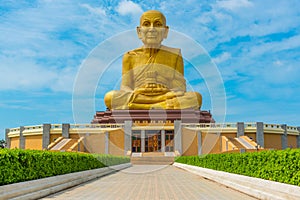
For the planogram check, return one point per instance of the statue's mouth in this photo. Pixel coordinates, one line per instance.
(152, 36)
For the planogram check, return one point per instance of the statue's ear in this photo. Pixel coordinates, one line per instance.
(166, 32)
(138, 30)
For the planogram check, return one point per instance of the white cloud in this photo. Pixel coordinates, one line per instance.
(23, 75)
(278, 63)
(234, 4)
(26, 75)
(129, 8)
(255, 19)
(97, 10)
(64, 80)
(285, 44)
(223, 57)
(285, 75)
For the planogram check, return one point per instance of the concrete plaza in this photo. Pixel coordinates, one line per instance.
(150, 182)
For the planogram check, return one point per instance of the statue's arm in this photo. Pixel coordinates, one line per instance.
(179, 63)
(179, 83)
(127, 79)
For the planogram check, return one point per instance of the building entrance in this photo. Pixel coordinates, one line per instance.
(152, 141)
(136, 141)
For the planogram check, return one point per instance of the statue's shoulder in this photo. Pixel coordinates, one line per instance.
(134, 52)
(170, 49)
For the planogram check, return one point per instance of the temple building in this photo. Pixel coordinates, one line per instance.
(155, 136)
(153, 113)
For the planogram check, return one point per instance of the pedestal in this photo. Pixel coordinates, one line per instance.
(155, 116)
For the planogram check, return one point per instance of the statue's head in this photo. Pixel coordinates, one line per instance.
(152, 29)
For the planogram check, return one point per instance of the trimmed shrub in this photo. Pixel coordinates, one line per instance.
(22, 165)
(281, 166)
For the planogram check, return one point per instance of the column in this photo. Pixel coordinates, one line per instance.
(240, 129)
(163, 140)
(127, 136)
(143, 136)
(178, 136)
(298, 137)
(22, 138)
(284, 142)
(106, 142)
(199, 138)
(7, 139)
(65, 130)
(46, 135)
(260, 134)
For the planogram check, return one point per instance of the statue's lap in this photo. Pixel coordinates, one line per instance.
(130, 100)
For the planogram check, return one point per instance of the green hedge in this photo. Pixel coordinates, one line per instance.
(281, 166)
(23, 165)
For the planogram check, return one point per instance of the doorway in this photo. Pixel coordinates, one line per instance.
(136, 141)
(153, 141)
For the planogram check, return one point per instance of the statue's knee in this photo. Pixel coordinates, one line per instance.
(108, 99)
(197, 96)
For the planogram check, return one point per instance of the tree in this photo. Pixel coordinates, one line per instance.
(2, 144)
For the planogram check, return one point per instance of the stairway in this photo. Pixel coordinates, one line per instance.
(236, 143)
(246, 143)
(64, 144)
(152, 158)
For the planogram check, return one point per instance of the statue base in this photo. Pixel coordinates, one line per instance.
(155, 116)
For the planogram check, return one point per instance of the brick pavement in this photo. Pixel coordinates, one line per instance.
(150, 182)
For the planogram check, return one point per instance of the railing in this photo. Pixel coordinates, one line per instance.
(210, 125)
(33, 130)
(56, 126)
(272, 126)
(292, 128)
(250, 124)
(14, 130)
(33, 127)
(275, 127)
(234, 125)
(97, 126)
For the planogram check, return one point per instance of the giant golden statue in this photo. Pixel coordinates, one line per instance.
(152, 75)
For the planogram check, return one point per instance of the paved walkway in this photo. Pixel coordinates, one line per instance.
(150, 182)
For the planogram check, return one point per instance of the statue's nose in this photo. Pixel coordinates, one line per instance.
(152, 28)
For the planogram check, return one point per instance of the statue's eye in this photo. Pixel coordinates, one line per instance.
(157, 24)
(146, 23)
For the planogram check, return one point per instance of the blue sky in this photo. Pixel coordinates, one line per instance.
(255, 45)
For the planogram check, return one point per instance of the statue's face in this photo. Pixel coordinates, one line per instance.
(152, 29)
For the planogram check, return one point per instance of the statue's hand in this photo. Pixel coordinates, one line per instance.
(160, 90)
(151, 91)
(172, 94)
